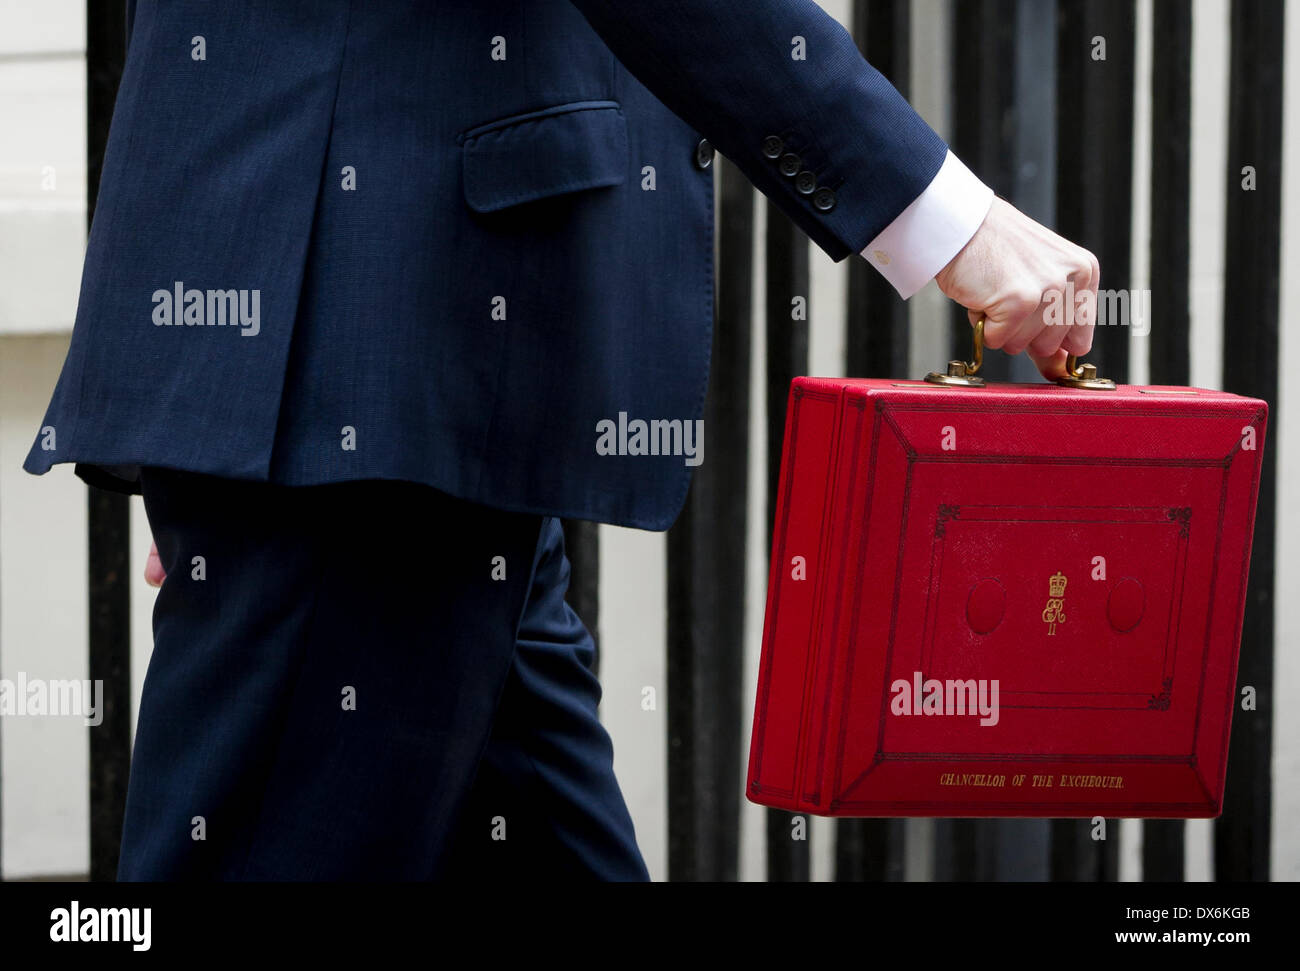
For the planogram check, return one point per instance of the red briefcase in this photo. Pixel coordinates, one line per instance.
(1005, 599)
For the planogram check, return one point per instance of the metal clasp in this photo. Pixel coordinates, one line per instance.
(1083, 376)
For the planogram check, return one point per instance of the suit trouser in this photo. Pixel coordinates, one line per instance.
(365, 680)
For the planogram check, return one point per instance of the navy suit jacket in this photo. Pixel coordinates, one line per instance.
(452, 242)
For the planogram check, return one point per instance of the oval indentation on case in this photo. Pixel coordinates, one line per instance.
(986, 605)
(1126, 604)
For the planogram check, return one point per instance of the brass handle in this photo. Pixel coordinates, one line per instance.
(963, 373)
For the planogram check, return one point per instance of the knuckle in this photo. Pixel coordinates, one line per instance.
(1026, 299)
(1086, 264)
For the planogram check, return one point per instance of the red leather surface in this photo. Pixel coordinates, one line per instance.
(929, 529)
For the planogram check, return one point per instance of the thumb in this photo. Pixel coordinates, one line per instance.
(1052, 366)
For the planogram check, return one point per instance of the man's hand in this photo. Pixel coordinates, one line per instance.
(1011, 273)
(153, 568)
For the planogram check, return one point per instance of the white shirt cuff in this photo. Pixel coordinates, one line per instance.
(932, 230)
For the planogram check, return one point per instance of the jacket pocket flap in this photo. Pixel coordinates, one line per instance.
(581, 145)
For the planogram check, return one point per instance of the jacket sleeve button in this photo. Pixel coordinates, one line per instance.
(805, 182)
(703, 154)
(790, 164)
(773, 146)
(824, 199)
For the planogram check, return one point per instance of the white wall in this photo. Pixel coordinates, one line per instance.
(44, 818)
